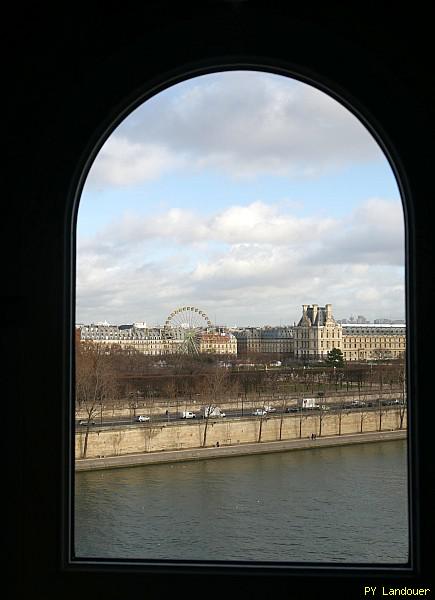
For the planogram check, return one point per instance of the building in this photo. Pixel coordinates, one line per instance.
(311, 339)
(218, 343)
(374, 341)
(248, 340)
(147, 341)
(316, 333)
(265, 340)
(155, 341)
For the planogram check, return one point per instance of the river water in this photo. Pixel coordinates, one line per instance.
(346, 505)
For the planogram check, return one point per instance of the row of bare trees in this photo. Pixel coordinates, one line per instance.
(187, 377)
(105, 375)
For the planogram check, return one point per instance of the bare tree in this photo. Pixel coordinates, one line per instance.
(402, 412)
(321, 415)
(261, 419)
(214, 386)
(381, 413)
(340, 415)
(362, 418)
(95, 382)
(403, 403)
(283, 409)
(172, 396)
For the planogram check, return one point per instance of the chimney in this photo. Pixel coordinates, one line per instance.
(315, 306)
(328, 309)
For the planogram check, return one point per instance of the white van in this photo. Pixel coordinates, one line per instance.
(213, 411)
(187, 414)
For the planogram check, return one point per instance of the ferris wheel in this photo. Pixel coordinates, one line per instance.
(183, 329)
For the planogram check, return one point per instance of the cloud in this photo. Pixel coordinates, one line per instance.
(254, 223)
(261, 223)
(252, 291)
(249, 264)
(373, 234)
(122, 162)
(241, 124)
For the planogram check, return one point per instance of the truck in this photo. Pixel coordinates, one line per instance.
(213, 411)
(309, 403)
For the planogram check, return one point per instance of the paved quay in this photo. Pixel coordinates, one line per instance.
(169, 456)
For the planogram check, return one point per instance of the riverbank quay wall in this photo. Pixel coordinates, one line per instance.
(147, 437)
(172, 456)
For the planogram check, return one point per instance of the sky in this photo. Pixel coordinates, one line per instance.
(245, 194)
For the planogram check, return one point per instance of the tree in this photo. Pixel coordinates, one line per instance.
(171, 392)
(261, 418)
(283, 410)
(214, 384)
(95, 381)
(381, 413)
(340, 415)
(362, 418)
(321, 415)
(402, 406)
(335, 358)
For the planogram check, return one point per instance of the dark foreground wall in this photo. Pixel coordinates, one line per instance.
(69, 71)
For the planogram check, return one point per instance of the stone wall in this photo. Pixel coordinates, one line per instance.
(145, 437)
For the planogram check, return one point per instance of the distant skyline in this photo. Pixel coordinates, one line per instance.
(385, 320)
(245, 194)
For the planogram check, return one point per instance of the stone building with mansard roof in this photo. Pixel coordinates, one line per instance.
(318, 332)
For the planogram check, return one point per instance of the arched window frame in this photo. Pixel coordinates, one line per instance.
(151, 90)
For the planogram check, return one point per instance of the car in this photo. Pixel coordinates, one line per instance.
(259, 412)
(142, 418)
(84, 422)
(270, 409)
(292, 409)
(188, 414)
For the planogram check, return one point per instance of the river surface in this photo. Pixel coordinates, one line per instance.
(346, 505)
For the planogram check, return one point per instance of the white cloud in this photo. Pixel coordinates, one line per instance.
(255, 223)
(250, 263)
(261, 223)
(368, 295)
(239, 123)
(122, 162)
(373, 234)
